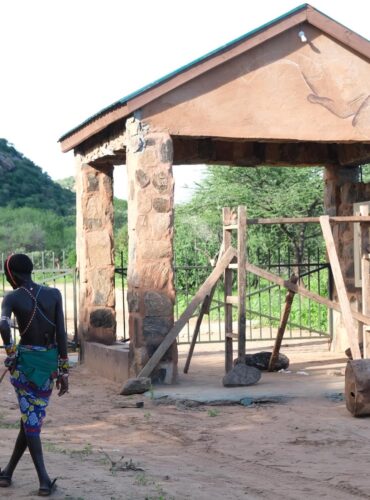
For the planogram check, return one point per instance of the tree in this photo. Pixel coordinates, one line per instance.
(266, 192)
(30, 229)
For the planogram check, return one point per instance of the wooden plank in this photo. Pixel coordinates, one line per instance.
(365, 276)
(262, 273)
(284, 320)
(340, 286)
(242, 258)
(204, 290)
(228, 290)
(305, 220)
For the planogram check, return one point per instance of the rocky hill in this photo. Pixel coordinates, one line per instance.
(24, 184)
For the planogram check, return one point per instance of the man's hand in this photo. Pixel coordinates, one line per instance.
(62, 384)
(10, 362)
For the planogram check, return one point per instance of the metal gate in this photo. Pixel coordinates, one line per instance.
(264, 301)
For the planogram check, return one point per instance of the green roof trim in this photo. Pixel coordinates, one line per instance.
(163, 79)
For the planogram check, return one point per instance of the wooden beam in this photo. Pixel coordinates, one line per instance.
(227, 216)
(340, 286)
(305, 220)
(273, 278)
(365, 276)
(203, 291)
(242, 258)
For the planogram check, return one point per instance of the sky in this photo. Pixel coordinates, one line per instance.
(63, 61)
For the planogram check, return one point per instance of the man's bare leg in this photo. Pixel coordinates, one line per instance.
(35, 447)
(19, 448)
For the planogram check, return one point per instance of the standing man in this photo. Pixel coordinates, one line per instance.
(39, 359)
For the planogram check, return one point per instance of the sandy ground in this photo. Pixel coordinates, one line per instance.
(309, 447)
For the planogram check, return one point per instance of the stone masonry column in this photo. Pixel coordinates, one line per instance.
(95, 257)
(342, 189)
(151, 293)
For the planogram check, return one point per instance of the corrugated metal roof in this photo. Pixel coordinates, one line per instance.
(124, 100)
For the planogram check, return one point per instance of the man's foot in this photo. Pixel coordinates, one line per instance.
(5, 480)
(46, 491)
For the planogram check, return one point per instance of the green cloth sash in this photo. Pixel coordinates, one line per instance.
(37, 365)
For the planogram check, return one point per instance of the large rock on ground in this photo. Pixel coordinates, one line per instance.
(136, 386)
(261, 361)
(241, 375)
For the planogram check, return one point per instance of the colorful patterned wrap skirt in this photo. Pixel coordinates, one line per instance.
(33, 396)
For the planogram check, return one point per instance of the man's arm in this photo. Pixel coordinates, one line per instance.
(6, 334)
(61, 339)
(60, 332)
(5, 326)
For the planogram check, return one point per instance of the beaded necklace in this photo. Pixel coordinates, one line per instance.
(34, 308)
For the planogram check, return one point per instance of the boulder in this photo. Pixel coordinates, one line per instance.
(261, 361)
(136, 386)
(241, 375)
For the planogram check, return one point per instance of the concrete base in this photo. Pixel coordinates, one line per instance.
(108, 361)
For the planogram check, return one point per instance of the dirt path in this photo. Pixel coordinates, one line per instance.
(307, 448)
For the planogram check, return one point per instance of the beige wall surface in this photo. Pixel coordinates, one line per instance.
(281, 90)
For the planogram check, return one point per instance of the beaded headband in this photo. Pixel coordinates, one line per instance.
(9, 271)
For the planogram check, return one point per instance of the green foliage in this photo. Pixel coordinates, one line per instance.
(67, 183)
(24, 184)
(28, 229)
(120, 232)
(365, 171)
(35, 212)
(267, 192)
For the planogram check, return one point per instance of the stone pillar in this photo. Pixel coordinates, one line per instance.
(151, 293)
(342, 190)
(95, 252)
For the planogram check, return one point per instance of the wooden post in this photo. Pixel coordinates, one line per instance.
(340, 286)
(365, 276)
(228, 284)
(279, 337)
(242, 258)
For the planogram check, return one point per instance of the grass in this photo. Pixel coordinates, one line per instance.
(213, 413)
(143, 480)
(265, 303)
(74, 453)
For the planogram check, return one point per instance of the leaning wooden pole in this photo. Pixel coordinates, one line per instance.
(340, 286)
(284, 320)
(262, 273)
(205, 309)
(204, 290)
